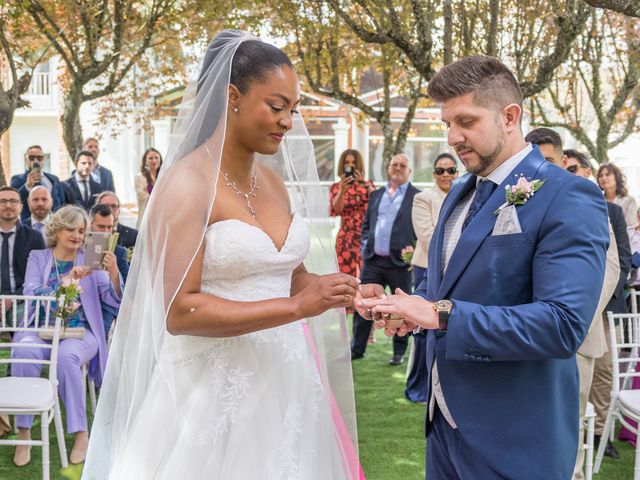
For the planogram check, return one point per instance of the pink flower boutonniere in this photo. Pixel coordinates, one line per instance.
(520, 193)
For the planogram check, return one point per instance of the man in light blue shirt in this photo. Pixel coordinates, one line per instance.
(386, 230)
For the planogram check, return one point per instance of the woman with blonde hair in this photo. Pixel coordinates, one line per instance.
(47, 269)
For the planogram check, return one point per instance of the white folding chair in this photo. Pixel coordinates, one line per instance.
(625, 402)
(589, 420)
(32, 396)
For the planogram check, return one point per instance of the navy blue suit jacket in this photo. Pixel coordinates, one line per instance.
(106, 179)
(523, 304)
(72, 195)
(27, 239)
(618, 302)
(20, 183)
(402, 233)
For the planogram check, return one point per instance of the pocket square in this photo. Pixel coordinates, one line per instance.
(507, 222)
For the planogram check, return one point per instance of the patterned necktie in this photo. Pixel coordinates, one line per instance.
(484, 189)
(5, 276)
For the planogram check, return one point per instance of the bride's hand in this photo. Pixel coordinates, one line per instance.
(325, 292)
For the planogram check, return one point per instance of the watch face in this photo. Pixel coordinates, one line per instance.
(443, 305)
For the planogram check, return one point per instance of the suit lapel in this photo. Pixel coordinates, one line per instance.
(405, 206)
(434, 272)
(483, 223)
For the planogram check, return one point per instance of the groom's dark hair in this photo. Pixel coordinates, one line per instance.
(491, 82)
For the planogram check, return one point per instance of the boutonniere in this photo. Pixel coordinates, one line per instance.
(520, 193)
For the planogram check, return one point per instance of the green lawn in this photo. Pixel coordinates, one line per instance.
(390, 429)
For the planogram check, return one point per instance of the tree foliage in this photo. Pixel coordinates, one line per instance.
(596, 95)
(20, 51)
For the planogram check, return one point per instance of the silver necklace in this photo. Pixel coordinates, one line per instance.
(231, 184)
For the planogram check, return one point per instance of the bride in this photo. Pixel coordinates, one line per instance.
(213, 371)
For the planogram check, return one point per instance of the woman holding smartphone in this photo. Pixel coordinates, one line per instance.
(63, 261)
(349, 198)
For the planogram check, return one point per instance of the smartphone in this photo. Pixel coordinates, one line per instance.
(350, 172)
(95, 246)
(35, 167)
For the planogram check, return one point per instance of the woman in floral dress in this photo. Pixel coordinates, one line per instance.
(349, 198)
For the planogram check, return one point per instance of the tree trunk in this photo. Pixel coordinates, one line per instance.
(71, 129)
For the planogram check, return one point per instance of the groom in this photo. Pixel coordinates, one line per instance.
(509, 295)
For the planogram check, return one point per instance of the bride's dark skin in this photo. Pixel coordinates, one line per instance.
(264, 114)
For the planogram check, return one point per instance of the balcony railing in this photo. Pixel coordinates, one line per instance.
(41, 93)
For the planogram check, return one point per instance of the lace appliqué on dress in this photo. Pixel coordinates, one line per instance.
(229, 386)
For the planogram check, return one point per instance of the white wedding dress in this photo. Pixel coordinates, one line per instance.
(250, 407)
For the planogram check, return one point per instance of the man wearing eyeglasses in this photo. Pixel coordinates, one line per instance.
(126, 235)
(16, 242)
(386, 230)
(33, 176)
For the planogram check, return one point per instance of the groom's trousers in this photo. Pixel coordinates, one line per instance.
(450, 458)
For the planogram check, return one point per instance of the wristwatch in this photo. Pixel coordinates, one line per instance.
(443, 307)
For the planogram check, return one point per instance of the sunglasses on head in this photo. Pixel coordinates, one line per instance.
(450, 170)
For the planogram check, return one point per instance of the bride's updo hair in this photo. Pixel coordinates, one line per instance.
(253, 61)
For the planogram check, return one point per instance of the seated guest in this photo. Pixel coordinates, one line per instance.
(16, 243)
(102, 221)
(34, 176)
(101, 175)
(46, 270)
(80, 189)
(128, 236)
(40, 203)
(146, 179)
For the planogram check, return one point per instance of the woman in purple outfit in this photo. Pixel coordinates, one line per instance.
(46, 269)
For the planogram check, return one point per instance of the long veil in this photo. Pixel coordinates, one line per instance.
(171, 232)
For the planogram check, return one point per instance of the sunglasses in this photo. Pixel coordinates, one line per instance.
(450, 170)
(574, 168)
(33, 158)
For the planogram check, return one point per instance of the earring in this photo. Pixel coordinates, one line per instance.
(235, 110)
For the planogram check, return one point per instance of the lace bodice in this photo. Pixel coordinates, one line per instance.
(242, 263)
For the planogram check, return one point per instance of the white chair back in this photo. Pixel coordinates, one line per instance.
(625, 335)
(634, 299)
(28, 313)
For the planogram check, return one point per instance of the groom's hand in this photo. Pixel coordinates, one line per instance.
(415, 310)
(367, 292)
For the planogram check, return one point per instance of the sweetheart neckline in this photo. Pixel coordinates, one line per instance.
(242, 222)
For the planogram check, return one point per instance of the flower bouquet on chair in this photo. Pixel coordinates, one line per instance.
(67, 303)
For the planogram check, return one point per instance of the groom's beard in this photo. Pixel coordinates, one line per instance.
(485, 161)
